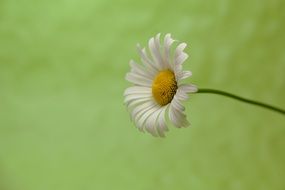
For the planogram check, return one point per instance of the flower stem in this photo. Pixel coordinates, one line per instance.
(253, 102)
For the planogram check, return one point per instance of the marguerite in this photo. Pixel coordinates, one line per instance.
(157, 88)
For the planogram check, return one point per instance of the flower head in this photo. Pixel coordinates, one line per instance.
(157, 89)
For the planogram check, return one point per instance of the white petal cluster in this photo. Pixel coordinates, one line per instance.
(145, 112)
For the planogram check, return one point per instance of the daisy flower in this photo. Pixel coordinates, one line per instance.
(157, 92)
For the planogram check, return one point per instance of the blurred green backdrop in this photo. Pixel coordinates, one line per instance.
(63, 125)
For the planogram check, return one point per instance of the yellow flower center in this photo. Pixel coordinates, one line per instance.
(164, 87)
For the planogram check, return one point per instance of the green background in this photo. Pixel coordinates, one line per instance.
(63, 125)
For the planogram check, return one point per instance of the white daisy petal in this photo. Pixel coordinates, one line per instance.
(138, 80)
(146, 60)
(133, 97)
(177, 117)
(179, 50)
(140, 70)
(137, 90)
(151, 122)
(155, 53)
(158, 49)
(161, 124)
(188, 88)
(180, 58)
(185, 74)
(141, 121)
(176, 104)
(167, 45)
(181, 95)
(178, 72)
(131, 105)
(141, 109)
(173, 118)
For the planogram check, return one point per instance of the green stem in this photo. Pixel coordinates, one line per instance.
(253, 102)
